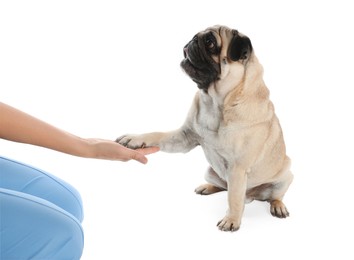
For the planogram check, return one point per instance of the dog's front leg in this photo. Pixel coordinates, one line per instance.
(236, 191)
(176, 141)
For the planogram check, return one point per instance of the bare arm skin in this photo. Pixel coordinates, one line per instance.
(18, 126)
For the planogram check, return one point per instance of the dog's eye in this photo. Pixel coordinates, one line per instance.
(209, 43)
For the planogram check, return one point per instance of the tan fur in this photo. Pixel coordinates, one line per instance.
(235, 123)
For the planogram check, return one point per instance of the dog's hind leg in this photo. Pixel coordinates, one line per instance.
(273, 193)
(277, 207)
(215, 183)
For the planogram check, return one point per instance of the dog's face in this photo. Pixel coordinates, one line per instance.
(208, 56)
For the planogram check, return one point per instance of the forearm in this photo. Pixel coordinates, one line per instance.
(20, 127)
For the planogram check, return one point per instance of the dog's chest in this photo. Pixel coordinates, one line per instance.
(208, 116)
(209, 128)
(208, 122)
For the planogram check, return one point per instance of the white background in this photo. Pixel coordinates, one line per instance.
(106, 68)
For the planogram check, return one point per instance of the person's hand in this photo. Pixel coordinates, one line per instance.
(18, 126)
(109, 150)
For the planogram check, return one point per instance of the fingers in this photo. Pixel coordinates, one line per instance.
(139, 154)
(148, 150)
(139, 157)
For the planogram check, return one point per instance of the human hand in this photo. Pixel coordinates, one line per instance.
(109, 150)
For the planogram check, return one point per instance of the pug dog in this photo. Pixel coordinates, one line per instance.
(233, 120)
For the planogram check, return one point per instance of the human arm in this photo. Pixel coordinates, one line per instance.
(18, 126)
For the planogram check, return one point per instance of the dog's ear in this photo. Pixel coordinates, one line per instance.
(240, 47)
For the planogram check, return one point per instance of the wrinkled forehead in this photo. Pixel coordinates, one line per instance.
(221, 34)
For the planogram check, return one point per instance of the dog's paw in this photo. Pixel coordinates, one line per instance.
(207, 189)
(132, 141)
(229, 223)
(278, 209)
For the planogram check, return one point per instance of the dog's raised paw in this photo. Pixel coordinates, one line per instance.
(131, 141)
